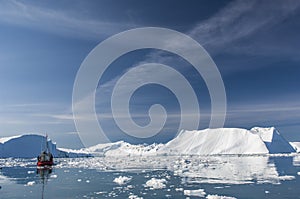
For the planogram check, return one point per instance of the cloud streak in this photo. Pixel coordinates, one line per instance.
(61, 22)
(240, 20)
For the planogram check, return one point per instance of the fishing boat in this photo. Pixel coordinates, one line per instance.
(46, 157)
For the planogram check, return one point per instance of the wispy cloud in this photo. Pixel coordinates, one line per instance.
(62, 22)
(32, 113)
(240, 20)
(275, 113)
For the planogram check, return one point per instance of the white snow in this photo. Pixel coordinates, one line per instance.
(5, 139)
(219, 197)
(197, 192)
(154, 183)
(121, 180)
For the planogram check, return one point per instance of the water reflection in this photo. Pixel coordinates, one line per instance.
(191, 169)
(44, 173)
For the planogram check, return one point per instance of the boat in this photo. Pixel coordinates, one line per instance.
(45, 158)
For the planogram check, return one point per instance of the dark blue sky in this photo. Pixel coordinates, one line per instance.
(255, 45)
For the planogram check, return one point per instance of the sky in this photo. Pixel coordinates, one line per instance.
(254, 44)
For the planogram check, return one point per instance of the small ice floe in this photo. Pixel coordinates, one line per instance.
(121, 180)
(87, 181)
(53, 176)
(130, 186)
(79, 180)
(31, 183)
(267, 191)
(178, 189)
(298, 173)
(219, 187)
(100, 192)
(197, 192)
(154, 183)
(30, 172)
(219, 197)
(286, 177)
(134, 197)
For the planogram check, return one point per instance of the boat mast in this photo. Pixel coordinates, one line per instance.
(47, 146)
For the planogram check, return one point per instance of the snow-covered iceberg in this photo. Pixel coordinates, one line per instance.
(30, 146)
(205, 142)
(274, 142)
(296, 146)
(229, 141)
(198, 142)
(217, 141)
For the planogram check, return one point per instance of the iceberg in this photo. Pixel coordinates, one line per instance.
(274, 142)
(30, 146)
(220, 141)
(257, 140)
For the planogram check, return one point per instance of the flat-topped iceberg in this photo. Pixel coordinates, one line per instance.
(205, 142)
(198, 142)
(229, 141)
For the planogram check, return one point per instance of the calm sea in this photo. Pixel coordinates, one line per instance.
(153, 177)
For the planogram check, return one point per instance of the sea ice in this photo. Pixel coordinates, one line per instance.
(155, 183)
(296, 161)
(286, 177)
(121, 180)
(31, 183)
(53, 176)
(197, 192)
(134, 197)
(219, 197)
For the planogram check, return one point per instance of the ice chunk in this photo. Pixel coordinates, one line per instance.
(197, 192)
(219, 197)
(121, 180)
(154, 183)
(31, 183)
(134, 197)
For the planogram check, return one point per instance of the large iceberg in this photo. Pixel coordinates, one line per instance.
(229, 141)
(30, 146)
(218, 141)
(205, 142)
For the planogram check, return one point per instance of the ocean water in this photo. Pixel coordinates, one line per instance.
(154, 177)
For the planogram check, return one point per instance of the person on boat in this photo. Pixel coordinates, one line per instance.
(43, 156)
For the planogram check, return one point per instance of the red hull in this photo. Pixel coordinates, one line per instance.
(45, 163)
